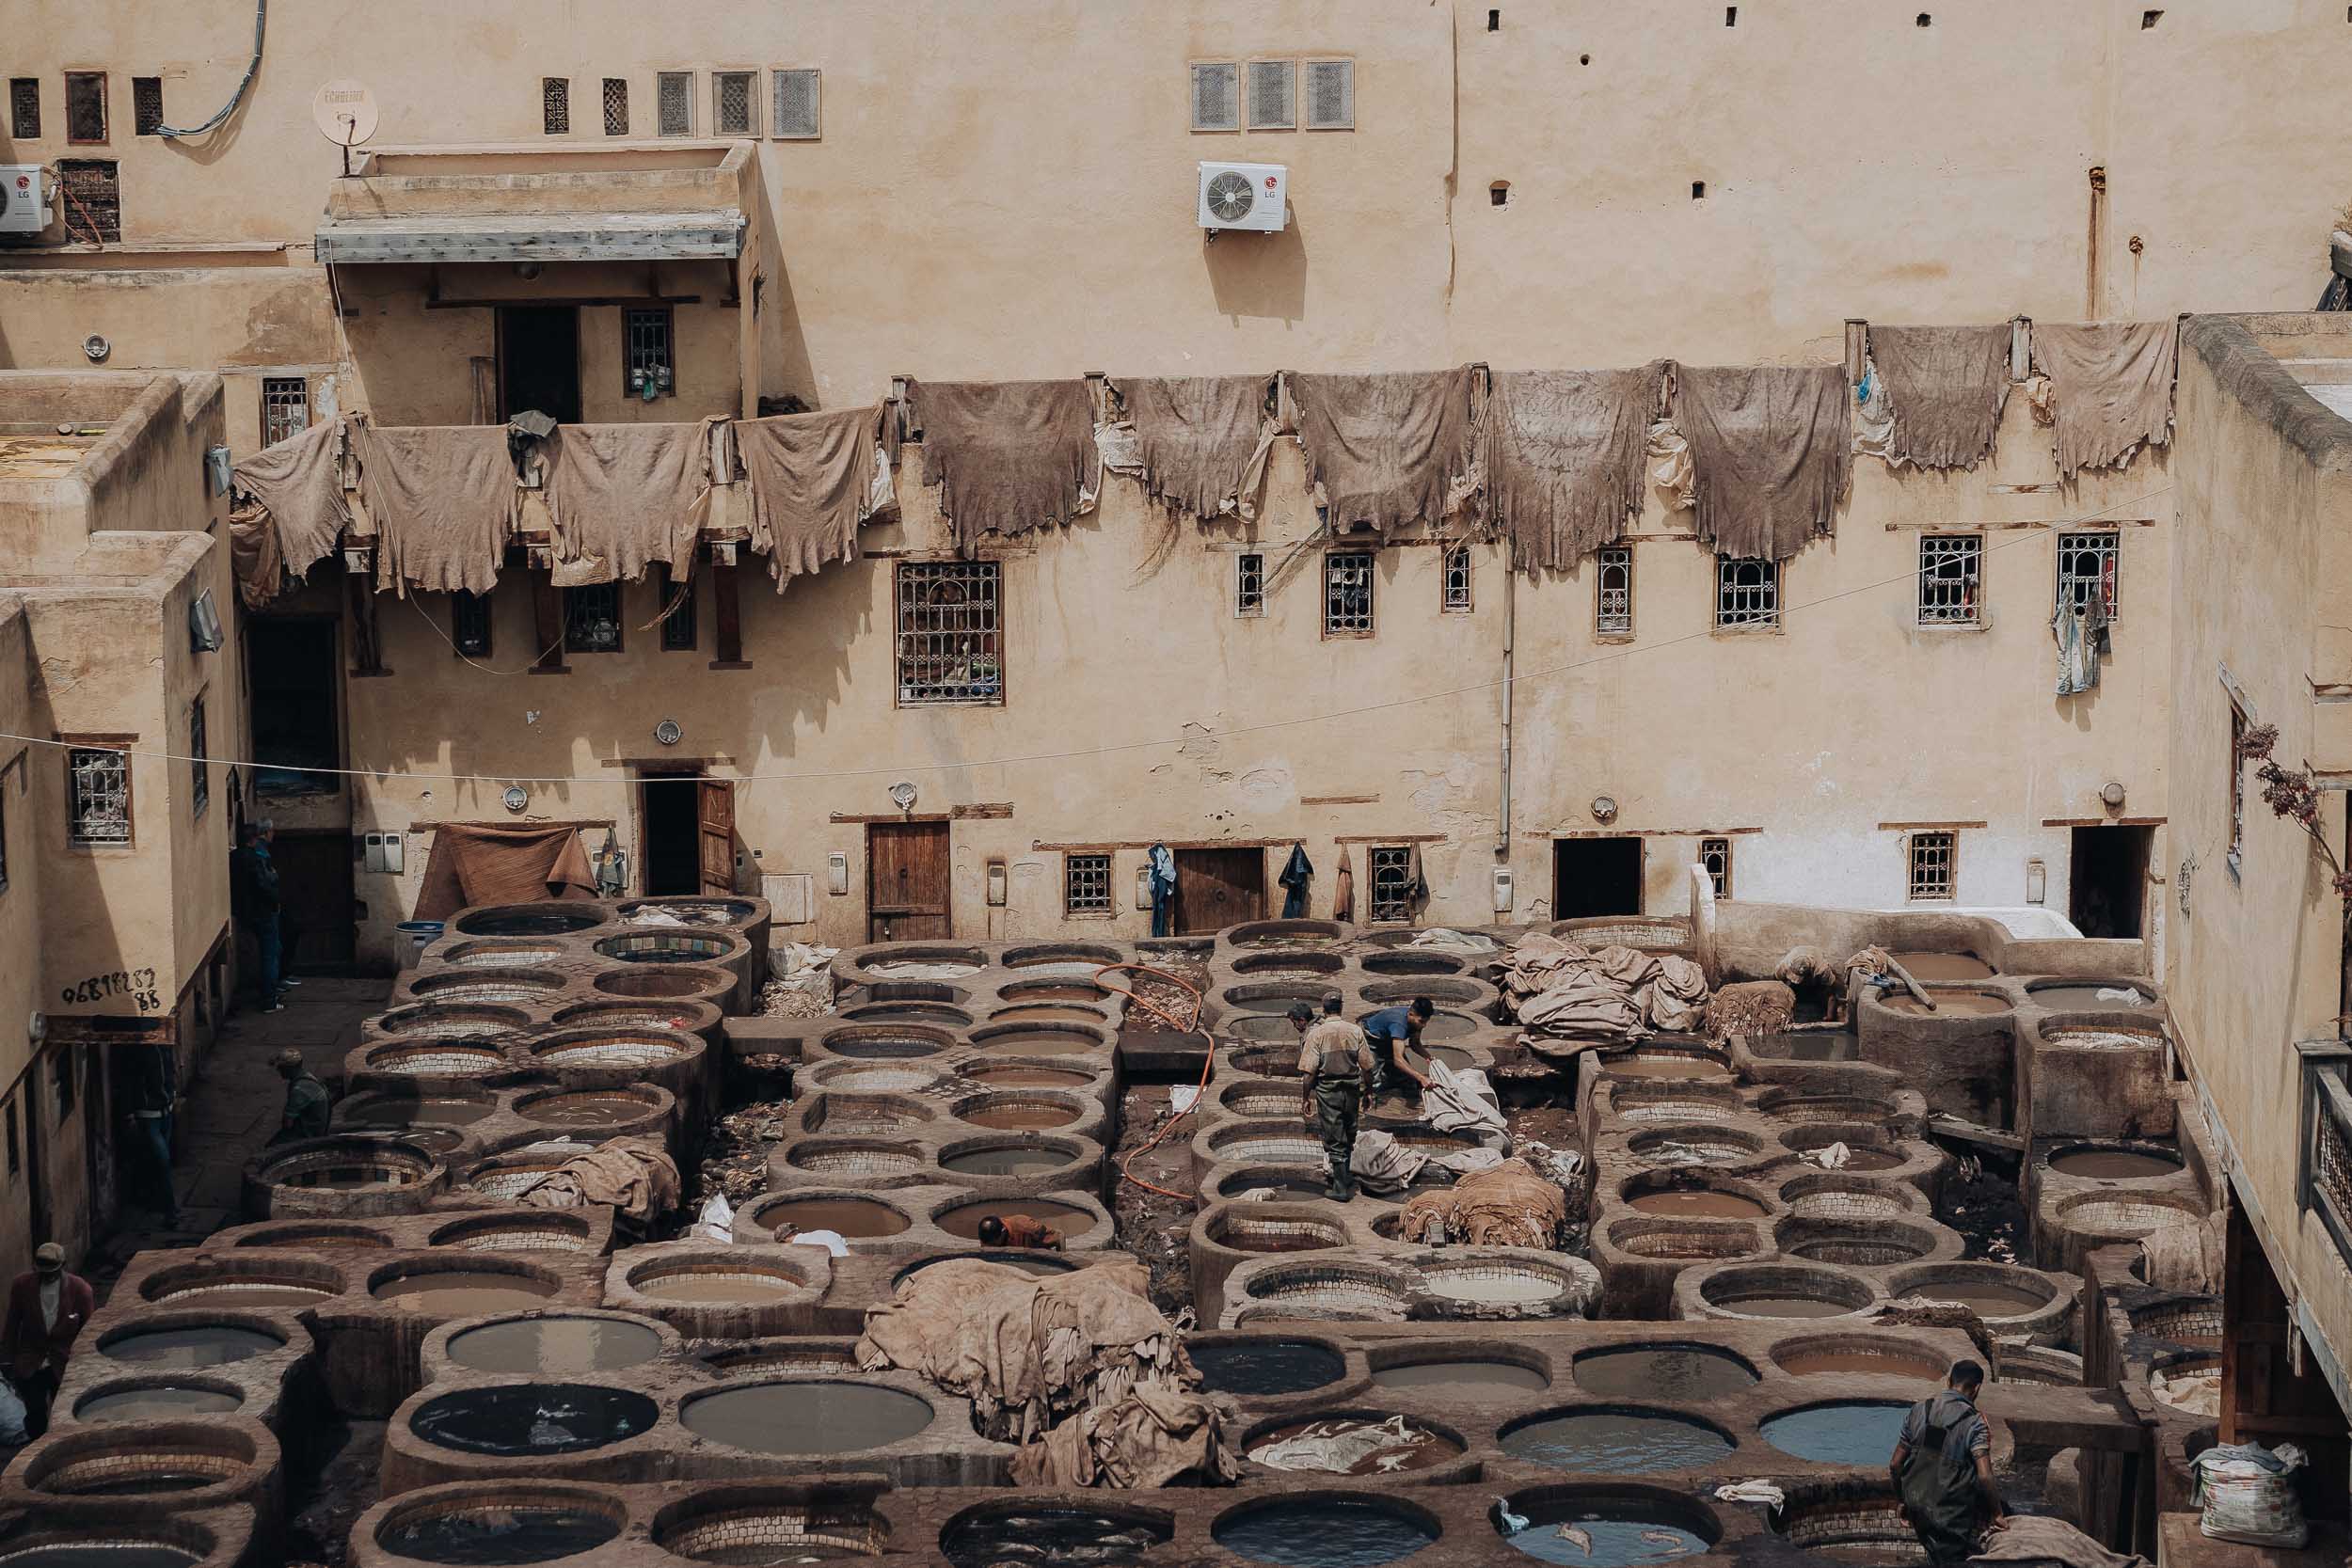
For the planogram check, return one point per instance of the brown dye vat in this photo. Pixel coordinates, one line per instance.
(1420, 1450)
(1449, 1026)
(1985, 1299)
(806, 1417)
(1959, 1004)
(2081, 998)
(1047, 1012)
(396, 1114)
(1007, 1162)
(714, 1287)
(964, 1219)
(586, 1110)
(1698, 1204)
(170, 1402)
(1868, 1363)
(2114, 1164)
(1665, 1067)
(844, 1216)
(1664, 1372)
(1787, 1307)
(1468, 1379)
(1033, 993)
(560, 1346)
(1928, 967)
(1031, 1114)
(463, 1292)
(184, 1349)
(1030, 1077)
(256, 1297)
(102, 1553)
(1045, 1043)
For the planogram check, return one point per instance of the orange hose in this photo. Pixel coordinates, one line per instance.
(1184, 1026)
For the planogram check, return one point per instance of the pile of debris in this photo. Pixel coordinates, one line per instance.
(1569, 998)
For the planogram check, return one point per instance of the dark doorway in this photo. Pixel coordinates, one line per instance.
(539, 361)
(293, 667)
(1216, 888)
(316, 889)
(1595, 875)
(670, 846)
(906, 882)
(2108, 881)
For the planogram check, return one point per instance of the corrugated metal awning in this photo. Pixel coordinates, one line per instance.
(534, 237)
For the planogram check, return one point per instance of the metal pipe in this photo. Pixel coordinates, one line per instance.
(1510, 627)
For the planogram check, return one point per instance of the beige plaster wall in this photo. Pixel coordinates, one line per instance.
(19, 933)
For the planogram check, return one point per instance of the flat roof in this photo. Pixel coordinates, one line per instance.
(716, 233)
(45, 454)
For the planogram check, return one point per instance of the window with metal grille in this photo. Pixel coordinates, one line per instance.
(469, 623)
(24, 107)
(1392, 883)
(1086, 884)
(677, 610)
(1456, 599)
(1347, 594)
(1273, 96)
(285, 407)
(97, 795)
(1747, 592)
(199, 761)
(733, 104)
(592, 619)
(85, 105)
(61, 1080)
(646, 364)
(146, 105)
(1612, 603)
(2236, 855)
(792, 105)
(1934, 858)
(1249, 584)
(673, 107)
(2087, 565)
(555, 105)
(91, 198)
(950, 645)
(1330, 95)
(1950, 570)
(1216, 96)
(1715, 855)
(617, 105)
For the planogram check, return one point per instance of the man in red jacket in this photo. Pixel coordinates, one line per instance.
(47, 1309)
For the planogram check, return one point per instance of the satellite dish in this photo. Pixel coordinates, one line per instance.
(344, 111)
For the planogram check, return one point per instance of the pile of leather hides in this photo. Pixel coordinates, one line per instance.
(1463, 1101)
(1152, 1436)
(1385, 1166)
(1028, 1352)
(2040, 1539)
(638, 1178)
(1561, 990)
(1750, 1007)
(1508, 1206)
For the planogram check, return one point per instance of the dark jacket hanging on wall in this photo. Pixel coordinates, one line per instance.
(1296, 873)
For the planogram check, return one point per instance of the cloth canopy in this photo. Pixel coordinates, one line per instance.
(483, 864)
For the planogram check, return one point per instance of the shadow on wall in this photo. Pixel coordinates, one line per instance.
(784, 369)
(1258, 275)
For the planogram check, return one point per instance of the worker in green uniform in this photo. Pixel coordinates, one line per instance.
(1335, 1059)
(308, 1102)
(1943, 1469)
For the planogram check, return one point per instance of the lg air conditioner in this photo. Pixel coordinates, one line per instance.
(1253, 197)
(21, 209)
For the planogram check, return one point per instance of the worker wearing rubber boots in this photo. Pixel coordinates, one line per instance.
(1943, 1469)
(1335, 1059)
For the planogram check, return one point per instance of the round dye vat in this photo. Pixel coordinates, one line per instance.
(1266, 1366)
(1452, 1057)
(230, 1296)
(1049, 1538)
(1665, 1067)
(922, 969)
(1664, 1372)
(2087, 998)
(1618, 1540)
(1862, 1361)
(1816, 1045)
(1027, 995)
(1322, 1532)
(964, 1219)
(2114, 1164)
(500, 1535)
(806, 1417)
(1407, 1445)
(1009, 1160)
(560, 1347)
(880, 1047)
(1260, 1026)
(1868, 1159)
(1020, 1116)
(393, 1114)
(1278, 1005)
(525, 923)
(1467, 1378)
(1629, 1442)
(533, 1418)
(1932, 967)
(715, 1286)
(1044, 1042)
(1700, 1203)
(586, 1109)
(1274, 942)
(846, 1217)
(99, 1553)
(1029, 1077)
(1279, 1183)
(1860, 1432)
(1984, 1298)
(180, 1349)
(1048, 1012)
(909, 1012)
(1788, 1306)
(1956, 1003)
(1449, 1026)
(463, 1292)
(168, 1401)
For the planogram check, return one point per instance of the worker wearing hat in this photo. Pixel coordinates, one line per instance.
(47, 1308)
(308, 1102)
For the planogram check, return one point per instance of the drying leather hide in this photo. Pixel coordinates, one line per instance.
(442, 499)
(2110, 389)
(1770, 451)
(1947, 385)
(300, 482)
(1010, 456)
(1387, 450)
(812, 479)
(1202, 440)
(1565, 451)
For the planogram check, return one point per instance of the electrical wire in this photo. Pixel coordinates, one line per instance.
(1115, 748)
(261, 15)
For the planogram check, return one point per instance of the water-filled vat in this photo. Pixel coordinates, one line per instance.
(594, 1109)
(548, 1232)
(1697, 1203)
(851, 1218)
(636, 1049)
(1858, 1355)
(397, 1113)
(179, 1349)
(1024, 1075)
(963, 1219)
(1779, 1291)
(2085, 995)
(714, 1281)
(1023, 1159)
(1658, 1063)
(157, 1401)
(666, 982)
(549, 919)
(555, 1346)
(533, 1418)
(142, 1462)
(459, 1292)
(512, 987)
(1663, 1370)
(909, 1012)
(1860, 1432)
(1949, 1003)
(815, 1416)
(1018, 1112)
(539, 1524)
(1936, 968)
(1038, 1039)
(871, 1042)
(1249, 1227)
(2115, 1162)
(1351, 1443)
(1257, 1367)
(1619, 1440)
(1605, 1527)
(1466, 1376)
(1043, 1536)
(85, 1546)
(1325, 1531)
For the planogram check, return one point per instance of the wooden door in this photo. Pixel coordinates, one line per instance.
(906, 882)
(1216, 888)
(714, 821)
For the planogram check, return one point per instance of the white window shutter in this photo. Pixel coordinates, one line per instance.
(796, 101)
(1330, 95)
(1273, 104)
(1216, 96)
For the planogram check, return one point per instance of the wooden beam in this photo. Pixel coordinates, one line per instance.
(1925, 827)
(581, 300)
(1339, 800)
(2103, 822)
(1388, 838)
(730, 614)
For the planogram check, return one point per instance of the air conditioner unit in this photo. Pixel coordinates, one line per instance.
(1250, 197)
(22, 210)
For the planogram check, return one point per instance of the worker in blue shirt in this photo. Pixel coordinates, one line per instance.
(1388, 1030)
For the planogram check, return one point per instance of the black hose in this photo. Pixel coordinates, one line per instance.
(261, 13)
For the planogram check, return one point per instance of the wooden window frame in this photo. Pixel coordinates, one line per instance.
(555, 102)
(119, 743)
(105, 115)
(630, 316)
(606, 105)
(817, 98)
(981, 571)
(1398, 857)
(461, 603)
(754, 81)
(1721, 847)
(272, 396)
(146, 105)
(660, 80)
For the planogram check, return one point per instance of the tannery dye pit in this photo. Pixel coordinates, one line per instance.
(1323, 1532)
(462, 1292)
(1694, 1373)
(533, 1418)
(1626, 1441)
(806, 1417)
(1048, 1538)
(1265, 1367)
(555, 1346)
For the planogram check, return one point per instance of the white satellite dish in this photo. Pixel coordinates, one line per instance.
(344, 111)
